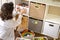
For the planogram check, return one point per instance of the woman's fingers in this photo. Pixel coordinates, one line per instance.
(23, 11)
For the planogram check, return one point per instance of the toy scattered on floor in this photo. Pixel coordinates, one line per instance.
(35, 38)
(27, 33)
(40, 38)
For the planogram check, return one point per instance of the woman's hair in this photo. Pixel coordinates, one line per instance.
(6, 11)
(24, 4)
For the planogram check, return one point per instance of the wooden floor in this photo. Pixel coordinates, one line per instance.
(40, 35)
(49, 38)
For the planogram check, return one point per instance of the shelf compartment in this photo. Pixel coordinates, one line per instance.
(51, 29)
(37, 10)
(53, 14)
(53, 18)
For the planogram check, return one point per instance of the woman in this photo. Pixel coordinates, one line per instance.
(7, 24)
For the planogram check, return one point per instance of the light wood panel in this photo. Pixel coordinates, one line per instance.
(24, 24)
(56, 0)
(54, 10)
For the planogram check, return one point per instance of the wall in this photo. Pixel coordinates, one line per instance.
(17, 1)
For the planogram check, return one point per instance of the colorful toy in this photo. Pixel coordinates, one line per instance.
(27, 33)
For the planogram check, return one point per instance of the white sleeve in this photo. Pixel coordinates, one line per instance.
(18, 21)
(12, 23)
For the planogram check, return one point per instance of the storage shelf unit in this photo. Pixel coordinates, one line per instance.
(52, 14)
(52, 8)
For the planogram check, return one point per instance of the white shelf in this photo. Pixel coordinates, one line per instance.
(47, 2)
(53, 3)
(53, 18)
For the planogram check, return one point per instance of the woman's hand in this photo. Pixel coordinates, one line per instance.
(23, 11)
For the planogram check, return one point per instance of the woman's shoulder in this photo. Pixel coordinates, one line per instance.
(6, 21)
(9, 22)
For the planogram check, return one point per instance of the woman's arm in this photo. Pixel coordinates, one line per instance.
(19, 19)
(15, 23)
